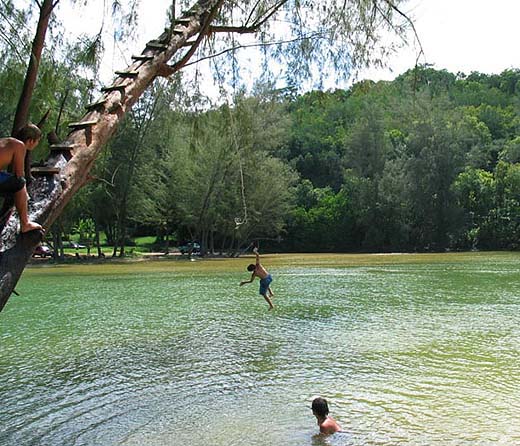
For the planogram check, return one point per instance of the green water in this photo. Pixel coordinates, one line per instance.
(409, 350)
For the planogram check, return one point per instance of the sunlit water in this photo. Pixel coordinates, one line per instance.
(422, 352)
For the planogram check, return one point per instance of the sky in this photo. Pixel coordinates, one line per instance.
(456, 35)
(461, 35)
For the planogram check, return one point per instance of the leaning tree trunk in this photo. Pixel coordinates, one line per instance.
(70, 163)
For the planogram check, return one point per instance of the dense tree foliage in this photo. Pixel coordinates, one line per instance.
(420, 163)
(429, 161)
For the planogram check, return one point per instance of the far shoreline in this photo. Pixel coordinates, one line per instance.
(160, 261)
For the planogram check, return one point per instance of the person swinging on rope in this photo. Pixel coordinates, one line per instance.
(259, 271)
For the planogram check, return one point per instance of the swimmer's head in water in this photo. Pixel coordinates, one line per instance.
(251, 267)
(320, 407)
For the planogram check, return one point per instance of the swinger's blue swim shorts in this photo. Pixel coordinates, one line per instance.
(264, 284)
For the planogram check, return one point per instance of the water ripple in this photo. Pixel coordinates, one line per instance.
(415, 354)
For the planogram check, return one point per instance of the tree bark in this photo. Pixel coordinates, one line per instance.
(51, 194)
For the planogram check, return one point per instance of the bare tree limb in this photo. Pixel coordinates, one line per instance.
(274, 10)
(410, 22)
(256, 45)
(203, 33)
(252, 28)
(252, 11)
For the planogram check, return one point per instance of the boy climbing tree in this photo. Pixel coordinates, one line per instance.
(12, 153)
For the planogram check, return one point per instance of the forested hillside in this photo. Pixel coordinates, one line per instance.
(427, 162)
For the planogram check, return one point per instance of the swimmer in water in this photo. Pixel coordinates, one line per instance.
(327, 424)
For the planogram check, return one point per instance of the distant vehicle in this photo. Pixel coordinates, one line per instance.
(43, 251)
(73, 245)
(192, 247)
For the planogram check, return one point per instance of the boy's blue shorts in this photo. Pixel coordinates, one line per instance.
(9, 183)
(264, 284)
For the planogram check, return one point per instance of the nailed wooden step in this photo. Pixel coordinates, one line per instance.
(142, 57)
(116, 87)
(189, 42)
(182, 21)
(164, 37)
(178, 31)
(155, 45)
(82, 124)
(131, 74)
(44, 171)
(62, 147)
(97, 104)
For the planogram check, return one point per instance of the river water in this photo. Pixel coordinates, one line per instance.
(409, 350)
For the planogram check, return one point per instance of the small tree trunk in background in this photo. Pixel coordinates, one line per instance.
(21, 116)
(55, 236)
(98, 244)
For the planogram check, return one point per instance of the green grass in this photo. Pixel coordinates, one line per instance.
(143, 245)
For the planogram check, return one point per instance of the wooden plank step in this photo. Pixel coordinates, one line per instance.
(189, 43)
(97, 104)
(82, 124)
(153, 44)
(144, 57)
(182, 21)
(164, 38)
(116, 87)
(62, 147)
(44, 170)
(131, 74)
(178, 31)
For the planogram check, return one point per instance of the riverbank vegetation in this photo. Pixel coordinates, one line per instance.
(427, 162)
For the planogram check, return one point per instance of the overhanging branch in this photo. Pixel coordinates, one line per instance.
(255, 45)
(410, 22)
(203, 33)
(245, 29)
(233, 29)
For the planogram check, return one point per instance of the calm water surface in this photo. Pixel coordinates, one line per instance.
(409, 350)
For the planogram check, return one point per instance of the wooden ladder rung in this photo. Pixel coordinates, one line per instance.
(142, 57)
(178, 31)
(44, 170)
(115, 87)
(182, 21)
(127, 73)
(189, 43)
(96, 104)
(164, 38)
(82, 124)
(153, 44)
(62, 147)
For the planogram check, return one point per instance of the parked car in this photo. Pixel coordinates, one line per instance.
(73, 245)
(43, 251)
(192, 247)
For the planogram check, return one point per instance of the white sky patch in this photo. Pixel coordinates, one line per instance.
(461, 35)
(456, 35)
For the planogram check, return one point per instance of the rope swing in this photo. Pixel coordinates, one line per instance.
(239, 221)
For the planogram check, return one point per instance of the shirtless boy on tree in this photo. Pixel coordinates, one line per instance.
(12, 152)
(265, 279)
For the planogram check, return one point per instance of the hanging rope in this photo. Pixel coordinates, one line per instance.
(239, 221)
